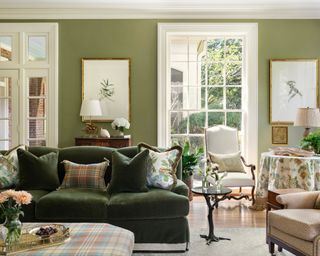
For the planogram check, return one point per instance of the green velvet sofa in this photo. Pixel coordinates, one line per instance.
(157, 217)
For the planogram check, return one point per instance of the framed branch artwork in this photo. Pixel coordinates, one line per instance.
(280, 135)
(293, 84)
(107, 80)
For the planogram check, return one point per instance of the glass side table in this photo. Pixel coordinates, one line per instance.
(213, 197)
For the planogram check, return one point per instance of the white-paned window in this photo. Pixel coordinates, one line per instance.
(28, 84)
(207, 77)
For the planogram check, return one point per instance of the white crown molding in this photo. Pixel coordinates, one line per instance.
(260, 12)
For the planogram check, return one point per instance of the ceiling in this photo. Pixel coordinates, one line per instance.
(199, 9)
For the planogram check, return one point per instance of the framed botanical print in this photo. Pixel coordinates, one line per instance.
(109, 81)
(280, 135)
(293, 84)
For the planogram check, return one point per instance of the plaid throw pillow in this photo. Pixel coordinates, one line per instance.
(84, 175)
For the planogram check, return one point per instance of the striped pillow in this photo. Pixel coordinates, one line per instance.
(84, 175)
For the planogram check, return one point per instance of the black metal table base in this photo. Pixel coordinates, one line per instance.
(213, 238)
(213, 197)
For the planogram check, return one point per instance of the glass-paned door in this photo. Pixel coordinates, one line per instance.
(9, 112)
(37, 107)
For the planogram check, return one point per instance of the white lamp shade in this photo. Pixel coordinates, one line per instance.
(307, 117)
(90, 108)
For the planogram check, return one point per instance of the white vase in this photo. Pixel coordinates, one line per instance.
(104, 133)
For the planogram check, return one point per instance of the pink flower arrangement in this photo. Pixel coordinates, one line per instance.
(10, 204)
(17, 197)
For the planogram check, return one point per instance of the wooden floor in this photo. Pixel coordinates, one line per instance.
(231, 213)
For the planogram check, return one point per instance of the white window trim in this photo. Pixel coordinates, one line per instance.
(51, 64)
(250, 32)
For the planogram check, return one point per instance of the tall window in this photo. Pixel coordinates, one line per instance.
(28, 84)
(206, 85)
(207, 77)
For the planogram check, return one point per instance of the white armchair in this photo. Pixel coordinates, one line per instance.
(221, 140)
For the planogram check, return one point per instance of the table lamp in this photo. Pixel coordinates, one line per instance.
(90, 108)
(307, 117)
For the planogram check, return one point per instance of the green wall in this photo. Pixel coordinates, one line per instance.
(137, 40)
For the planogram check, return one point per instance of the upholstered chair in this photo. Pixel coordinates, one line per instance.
(297, 227)
(222, 141)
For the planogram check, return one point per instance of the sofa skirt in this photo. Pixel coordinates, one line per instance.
(158, 234)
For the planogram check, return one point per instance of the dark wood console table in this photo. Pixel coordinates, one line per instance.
(113, 142)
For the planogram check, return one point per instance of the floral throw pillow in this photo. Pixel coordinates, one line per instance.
(9, 168)
(162, 173)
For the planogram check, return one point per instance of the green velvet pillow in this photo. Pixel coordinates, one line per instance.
(38, 172)
(129, 174)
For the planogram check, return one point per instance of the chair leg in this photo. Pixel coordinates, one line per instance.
(240, 190)
(252, 195)
(271, 248)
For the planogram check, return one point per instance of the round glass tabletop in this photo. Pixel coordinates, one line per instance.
(212, 190)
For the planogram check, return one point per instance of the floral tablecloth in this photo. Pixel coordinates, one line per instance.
(280, 172)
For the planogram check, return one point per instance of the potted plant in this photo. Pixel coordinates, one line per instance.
(190, 161)
(311, 142)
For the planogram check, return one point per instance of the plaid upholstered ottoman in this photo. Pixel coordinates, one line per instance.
(92, 239)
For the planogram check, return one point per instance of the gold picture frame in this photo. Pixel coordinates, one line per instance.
(294, 83)
(279, 135)
(113, 74)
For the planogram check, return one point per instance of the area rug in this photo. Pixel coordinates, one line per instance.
(244, 241)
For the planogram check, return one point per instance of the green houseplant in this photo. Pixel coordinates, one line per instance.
(312, 141)
(190, 161)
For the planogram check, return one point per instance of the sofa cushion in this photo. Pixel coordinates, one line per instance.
(156, 203)
(301, 223)
(164, 165)
(129, 174)
(73, 204)
(38, 172)
(30, 209)
(84, 175)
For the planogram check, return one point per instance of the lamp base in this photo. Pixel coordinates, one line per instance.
(91, 129)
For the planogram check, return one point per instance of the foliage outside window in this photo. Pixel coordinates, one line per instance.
(206, 86)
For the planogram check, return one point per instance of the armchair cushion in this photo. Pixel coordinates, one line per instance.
(228, 162)
(237, 179)
(300, 223)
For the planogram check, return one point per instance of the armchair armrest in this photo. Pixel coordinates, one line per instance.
(303, 200)
(251, 166)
